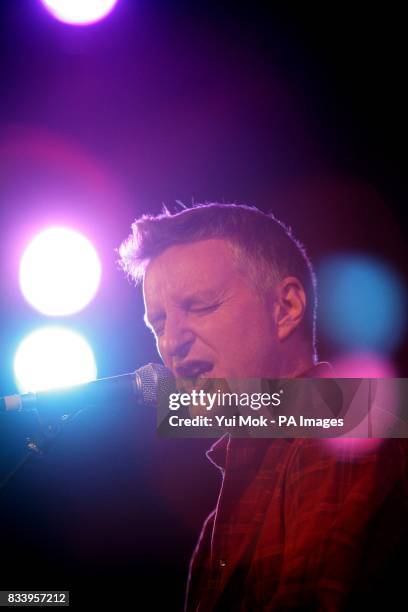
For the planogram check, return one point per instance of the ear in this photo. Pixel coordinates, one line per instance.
(290, 306)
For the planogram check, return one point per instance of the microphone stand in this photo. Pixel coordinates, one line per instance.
(38, 446)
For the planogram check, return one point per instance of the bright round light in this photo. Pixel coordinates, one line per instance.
(60, 272)
(363, 304)
(53, 357)
(79, 12)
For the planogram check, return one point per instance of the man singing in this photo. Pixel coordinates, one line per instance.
(230, 293)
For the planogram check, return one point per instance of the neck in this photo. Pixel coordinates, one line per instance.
(292, 365)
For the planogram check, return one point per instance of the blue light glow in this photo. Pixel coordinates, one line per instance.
(53, 357)
(362, 303)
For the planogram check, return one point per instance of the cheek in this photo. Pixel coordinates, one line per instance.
(161, 352)
(248, 339)
(239, 330)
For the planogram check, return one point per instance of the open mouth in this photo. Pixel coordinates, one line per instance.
(194, 370)
(194, 376)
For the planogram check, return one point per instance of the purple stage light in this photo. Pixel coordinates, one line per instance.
(60, 272)
(79, 12)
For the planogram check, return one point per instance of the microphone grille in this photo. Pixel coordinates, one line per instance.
(154, 383)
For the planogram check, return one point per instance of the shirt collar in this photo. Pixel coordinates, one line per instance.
(217, 453)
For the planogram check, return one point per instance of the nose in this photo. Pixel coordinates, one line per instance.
(177, 338)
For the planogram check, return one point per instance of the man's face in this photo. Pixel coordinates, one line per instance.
(207, 317)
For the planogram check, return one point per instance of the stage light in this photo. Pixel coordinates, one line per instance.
(362, 304)
(53, 357)
(362, 365)
(79, 12)
(60, 272)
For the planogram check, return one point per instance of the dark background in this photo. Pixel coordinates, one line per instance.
(297, 110)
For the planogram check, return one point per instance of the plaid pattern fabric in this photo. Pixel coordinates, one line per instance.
(298, 526)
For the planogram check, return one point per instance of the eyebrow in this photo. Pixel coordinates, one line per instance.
(202, 294)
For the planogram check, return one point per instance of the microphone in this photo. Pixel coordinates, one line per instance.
(147, 385)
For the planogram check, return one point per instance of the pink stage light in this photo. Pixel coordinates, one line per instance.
(363, 365)
(366, 365)
(79, 12)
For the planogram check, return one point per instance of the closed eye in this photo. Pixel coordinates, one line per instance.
(204, 309)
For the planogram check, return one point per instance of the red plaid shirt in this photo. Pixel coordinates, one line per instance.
(298, 526)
